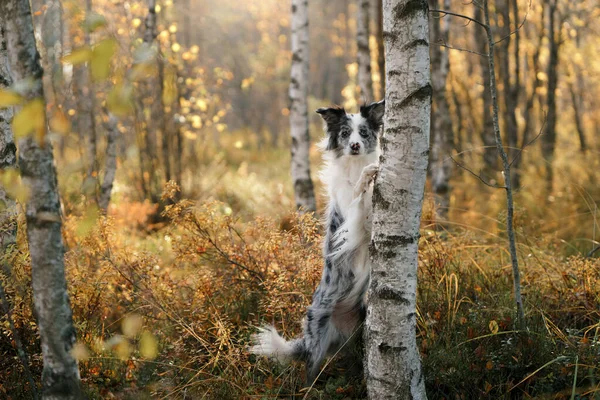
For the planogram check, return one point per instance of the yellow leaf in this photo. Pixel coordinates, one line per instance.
(493, 327)
(131, 325)
(80, 352)
(78, 56)
(10, 179)
(119, 100)
(101, 56)
(31, 118)
(148, 345)
(88, 222)
(59, 123)
(8, 98)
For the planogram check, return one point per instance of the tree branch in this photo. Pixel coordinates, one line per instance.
(478, 176)
(458, 15)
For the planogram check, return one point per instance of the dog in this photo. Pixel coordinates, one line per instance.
(351, 154)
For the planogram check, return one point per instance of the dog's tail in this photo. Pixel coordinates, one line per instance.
(267, 342)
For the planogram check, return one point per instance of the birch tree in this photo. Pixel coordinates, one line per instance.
(60, 376)
(393, 365)
(86, 115)
(303, 186)
(442, 137)
(549, 137)
(365, 81)
(490, 156)
(110, 162)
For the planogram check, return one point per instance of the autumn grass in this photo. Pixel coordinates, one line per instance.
(166, 311)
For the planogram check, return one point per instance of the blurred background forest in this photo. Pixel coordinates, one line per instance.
(197, 241)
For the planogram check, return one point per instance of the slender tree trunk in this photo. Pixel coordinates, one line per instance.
(365, 81)
(303, 185)
(110, 163)
(393, 365)
(442, 137)
(549, 137)
(88, 105)
(507, 176)
(577, 115)
(529, 111)
(52, 39)
(60, 377)
(511, 90)
(490, 155)
(154, 88)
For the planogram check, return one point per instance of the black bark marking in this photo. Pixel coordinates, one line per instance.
(421, 94)
(412, 6)
(415, 43)
(389, 293)
(386, 348)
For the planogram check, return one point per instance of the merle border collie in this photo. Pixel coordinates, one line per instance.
(351, 153)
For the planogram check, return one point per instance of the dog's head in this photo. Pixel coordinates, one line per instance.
(353, 134)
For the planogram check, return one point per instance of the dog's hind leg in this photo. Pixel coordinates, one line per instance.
(323, 335)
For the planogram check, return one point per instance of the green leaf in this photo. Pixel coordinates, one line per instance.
(31, 119)
(8, 98)
(78, 56)
(101, 57)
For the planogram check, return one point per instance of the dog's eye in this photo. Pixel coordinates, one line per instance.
(364, 133)
(345, 133)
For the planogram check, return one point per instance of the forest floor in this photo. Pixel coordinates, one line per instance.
(164, 307)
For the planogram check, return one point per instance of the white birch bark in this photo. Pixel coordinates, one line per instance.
(365, 80)
(303, 186)
(8, 150)
(60, 376)
(442, 137)
(110, 163)
(393, 365)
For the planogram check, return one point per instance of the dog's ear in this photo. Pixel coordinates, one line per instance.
(373, 113)
(333, 117)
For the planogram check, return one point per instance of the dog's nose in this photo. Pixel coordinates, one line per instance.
(355, 146)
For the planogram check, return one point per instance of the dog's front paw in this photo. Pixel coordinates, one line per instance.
(368, 175)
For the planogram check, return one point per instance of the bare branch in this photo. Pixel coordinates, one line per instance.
(443, 43)
(518, 28)
(540, 133)
(478, 176)
(460, 16)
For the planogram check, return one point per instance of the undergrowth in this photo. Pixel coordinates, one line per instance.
(167, 312)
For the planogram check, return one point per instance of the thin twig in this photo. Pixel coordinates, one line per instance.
(446, 45)
(540, 133)
(460, 16)
(478, 176)
(518, 28)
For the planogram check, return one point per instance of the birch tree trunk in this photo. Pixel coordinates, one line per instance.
(510, 86)
(441, 163)
(110, 163)
(490, 154)
(60, 376)
(365, 81)
(86, 118)
(549, 137)
(393, 365)
(154, 88)
(303, 185)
